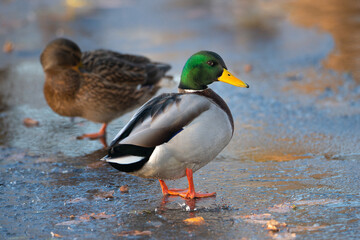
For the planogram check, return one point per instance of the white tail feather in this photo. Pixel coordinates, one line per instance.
(125, 160)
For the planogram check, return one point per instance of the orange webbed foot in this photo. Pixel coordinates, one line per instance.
(193, 195)
(101, 135)
(185, 193)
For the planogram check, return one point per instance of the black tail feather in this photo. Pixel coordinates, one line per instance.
(124, 150)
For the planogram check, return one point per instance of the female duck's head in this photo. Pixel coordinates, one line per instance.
(60, 53)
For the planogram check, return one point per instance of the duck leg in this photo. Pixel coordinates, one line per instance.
(172, 191)
(185, 193)
(99, 135)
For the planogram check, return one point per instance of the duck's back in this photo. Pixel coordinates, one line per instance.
(123, 68)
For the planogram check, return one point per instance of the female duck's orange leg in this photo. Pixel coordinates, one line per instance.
(99, 135)
(190, 193)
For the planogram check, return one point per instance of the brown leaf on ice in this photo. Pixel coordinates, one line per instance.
(195, 221)
(248, 68)
(124, 188)
(132, 233)
(102, 194)
(28, 122)
(274, 225)
(55, 235)
(8, 47)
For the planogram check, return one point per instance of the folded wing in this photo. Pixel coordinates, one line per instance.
(156, 122)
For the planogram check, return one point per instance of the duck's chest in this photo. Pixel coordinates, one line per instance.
(195, 146)
(61, 98)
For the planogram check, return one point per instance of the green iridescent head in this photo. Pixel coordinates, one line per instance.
(204, 68)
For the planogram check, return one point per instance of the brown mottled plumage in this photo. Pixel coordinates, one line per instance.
(99, 85)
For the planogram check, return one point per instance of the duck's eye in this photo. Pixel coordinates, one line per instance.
(211, 63)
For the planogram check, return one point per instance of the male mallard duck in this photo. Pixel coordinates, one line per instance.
(175, 134)
(99, 85)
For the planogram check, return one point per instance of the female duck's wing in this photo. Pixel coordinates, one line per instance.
(102, 53)
(103, 101)
(123, 68)
(156, 122)
(112, 68)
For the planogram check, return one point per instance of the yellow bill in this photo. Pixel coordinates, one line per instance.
(78, 66)
(227, 77)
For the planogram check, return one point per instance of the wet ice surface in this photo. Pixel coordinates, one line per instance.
(42, 193)
(294, 154)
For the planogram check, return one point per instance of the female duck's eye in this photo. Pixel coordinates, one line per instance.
(211, 63)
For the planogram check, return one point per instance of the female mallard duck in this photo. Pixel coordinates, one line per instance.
(99, 85)
(176, 134)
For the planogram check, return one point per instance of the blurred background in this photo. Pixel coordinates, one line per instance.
(297, 128)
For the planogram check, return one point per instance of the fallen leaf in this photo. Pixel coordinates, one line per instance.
(274, 225)
(124, 188)
(248, 68)
(102, 194)
(8, 47)
(195, 221)
(55, 235)
(28, 122)
(132, 233)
